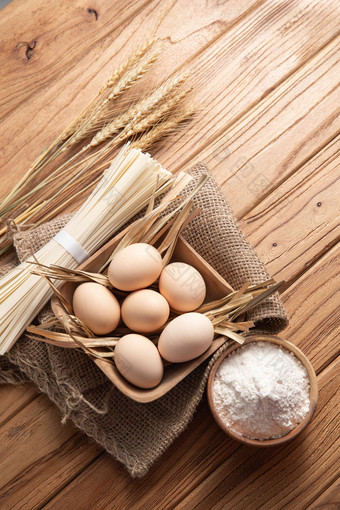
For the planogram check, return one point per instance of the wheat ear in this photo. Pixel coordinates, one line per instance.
(130, 62)
(99, 115)
(154, 118)
(166, 92)
(163, 129)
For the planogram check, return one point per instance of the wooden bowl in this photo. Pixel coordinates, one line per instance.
(217, 288)
(313, 393)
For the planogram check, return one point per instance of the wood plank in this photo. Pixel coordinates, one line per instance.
(14, 398)
(75, 53)
(288, 25)
(177, 473)
(36, 453)
(329, 500)
(241, 68)
(42, 48)
(268, 478)
(278, 135)
(312, 304)
(186, 464)
(296, 223)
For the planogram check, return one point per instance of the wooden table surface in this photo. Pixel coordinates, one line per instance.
(265, 77)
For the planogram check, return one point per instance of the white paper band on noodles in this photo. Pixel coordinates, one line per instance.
(72, 246)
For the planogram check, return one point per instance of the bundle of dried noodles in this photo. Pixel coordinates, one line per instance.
(125, 188)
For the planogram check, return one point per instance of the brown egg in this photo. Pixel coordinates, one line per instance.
(135, 267)
(97, 307)
(182, 286)
(186, 337)
(138, 360)
(145, 311)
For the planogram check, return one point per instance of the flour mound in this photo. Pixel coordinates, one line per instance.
(261, 391)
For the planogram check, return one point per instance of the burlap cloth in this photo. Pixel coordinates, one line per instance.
(137, 434)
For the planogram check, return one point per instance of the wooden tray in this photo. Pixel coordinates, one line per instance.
(217, 287)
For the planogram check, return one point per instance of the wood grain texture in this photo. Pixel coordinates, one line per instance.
(329, 500)
(279, 134)
(242, 67)
(265, 77)
(312, 304)
(192, 457)
(13, 399)
(299, 220)
(46, 455)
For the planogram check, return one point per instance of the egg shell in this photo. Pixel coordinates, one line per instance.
(145, 311)
(138, 360)
(97, 307)
(135, 267)
(186, 337)
(182, 286)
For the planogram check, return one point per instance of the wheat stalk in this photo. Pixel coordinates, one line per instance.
(98, 116)
(141, 117)
(93, 169)
(154, 118)
(71, 186)
(122, 69)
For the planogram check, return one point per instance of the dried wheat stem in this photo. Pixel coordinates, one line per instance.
(24, 179)
(73, 184)
(147, 104)
(128, 73)
(50, 198)
(64, 340)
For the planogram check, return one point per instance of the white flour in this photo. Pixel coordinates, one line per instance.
(261, 391)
